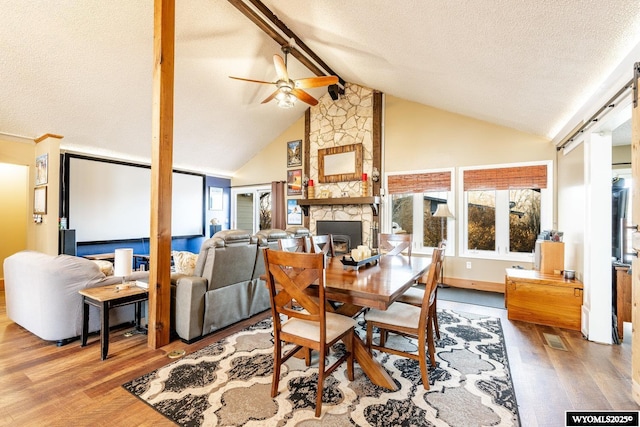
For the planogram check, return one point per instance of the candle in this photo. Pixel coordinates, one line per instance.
(310, 183)
(364, 176)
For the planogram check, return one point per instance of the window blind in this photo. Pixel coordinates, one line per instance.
(510, 178)
(419, 182)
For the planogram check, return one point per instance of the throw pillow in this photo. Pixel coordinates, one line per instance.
(184, 262)
(105, 266)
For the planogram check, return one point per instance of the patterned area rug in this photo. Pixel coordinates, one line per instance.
(228, 383)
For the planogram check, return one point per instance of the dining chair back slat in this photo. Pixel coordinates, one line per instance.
(323, 244)
(395, 244)
(293, 244)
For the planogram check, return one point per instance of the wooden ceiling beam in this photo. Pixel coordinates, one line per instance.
(312, 64)
(47, 135)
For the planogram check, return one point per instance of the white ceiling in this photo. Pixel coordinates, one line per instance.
(83, 69)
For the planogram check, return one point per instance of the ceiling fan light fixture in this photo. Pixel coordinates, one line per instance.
(288, 90)
(285, 100)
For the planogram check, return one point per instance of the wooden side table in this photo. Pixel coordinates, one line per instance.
(106, 298)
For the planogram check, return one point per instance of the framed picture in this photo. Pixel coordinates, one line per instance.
(294, 182)
(215, 199)
(40, 200)
(42, 169)
(294, 212)
(294, 153)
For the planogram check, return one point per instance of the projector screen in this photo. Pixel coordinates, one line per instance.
(112, 201)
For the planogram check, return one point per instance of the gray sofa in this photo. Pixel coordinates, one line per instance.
(41, 293)
(226, 286)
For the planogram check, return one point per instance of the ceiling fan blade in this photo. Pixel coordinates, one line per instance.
(304, 96)
(253, 81)
(281, 68)
(270, 97)
(315, 82)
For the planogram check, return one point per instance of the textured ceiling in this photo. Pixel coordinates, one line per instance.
(84, 69)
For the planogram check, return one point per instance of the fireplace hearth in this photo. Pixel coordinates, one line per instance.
(347, 235)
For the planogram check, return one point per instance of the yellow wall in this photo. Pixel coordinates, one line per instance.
(13, 151)
(419, 137)
(621, 154)
(46, 233)
(270, 164)
(13, 215)
(571, 203)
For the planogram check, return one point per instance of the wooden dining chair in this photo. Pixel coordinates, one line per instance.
(293, 244)
(394, 244)
(313, 327)
(409, 320)
(323, 244)
(415, 294)
(297, 244)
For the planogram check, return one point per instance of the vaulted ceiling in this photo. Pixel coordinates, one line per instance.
(83, 69)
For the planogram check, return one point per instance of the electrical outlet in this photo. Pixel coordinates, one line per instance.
(469, 265)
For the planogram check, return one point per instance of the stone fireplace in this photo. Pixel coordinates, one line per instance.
(346, 121)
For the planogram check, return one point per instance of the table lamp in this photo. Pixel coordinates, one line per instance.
(123, 262)
(442, 212)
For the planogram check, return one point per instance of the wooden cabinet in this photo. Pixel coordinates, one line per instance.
(623, 298)
(551, 256)
(546, 299)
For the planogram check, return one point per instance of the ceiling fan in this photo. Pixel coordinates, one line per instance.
(287, 89)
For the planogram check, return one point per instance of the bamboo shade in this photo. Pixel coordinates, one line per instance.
(506, 178)
(419, 182)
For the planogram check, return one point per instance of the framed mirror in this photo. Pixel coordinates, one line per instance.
(338, 164)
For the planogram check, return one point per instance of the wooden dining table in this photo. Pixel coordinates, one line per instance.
(377, 286)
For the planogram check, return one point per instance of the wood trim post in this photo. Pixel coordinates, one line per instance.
(161, 174)
(377, 140)
(635, 217)
(306, 170)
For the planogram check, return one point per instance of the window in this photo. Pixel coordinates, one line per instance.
(414, 198)
(251, 208)
(481, 220)
(504, 210)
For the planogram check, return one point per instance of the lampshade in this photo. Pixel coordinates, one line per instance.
(123, 262)
(443, 211)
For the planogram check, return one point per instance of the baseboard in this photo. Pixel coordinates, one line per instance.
(474, 284)
(584, 322)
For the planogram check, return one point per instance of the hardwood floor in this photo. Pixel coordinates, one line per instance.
(42, 384)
